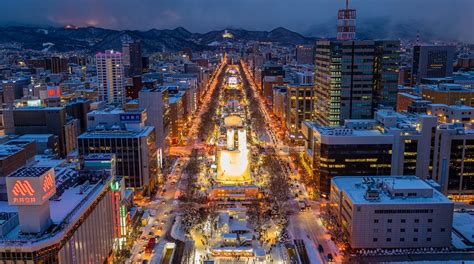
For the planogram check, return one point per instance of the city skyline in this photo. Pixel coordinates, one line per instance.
(325, 132)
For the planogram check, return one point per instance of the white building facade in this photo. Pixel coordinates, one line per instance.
(391, 212)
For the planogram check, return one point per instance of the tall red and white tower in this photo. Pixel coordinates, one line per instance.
(346, 23)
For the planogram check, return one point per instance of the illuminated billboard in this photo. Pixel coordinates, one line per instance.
(53, 92)
(31, 186)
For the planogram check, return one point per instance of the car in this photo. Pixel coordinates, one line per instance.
(163, 202)
(320, 248)
(330, 258)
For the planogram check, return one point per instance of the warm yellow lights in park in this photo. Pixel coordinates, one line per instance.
(233, 167)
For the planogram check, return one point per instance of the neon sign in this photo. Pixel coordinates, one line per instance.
(28, 189)
(54, 92)
(23, 188)
(48, 183)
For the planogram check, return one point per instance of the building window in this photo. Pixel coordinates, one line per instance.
(417, 220)
(429, 229)
(389, 220)
(430, 220)
(443, 229)
(428, 239)
(389, 239)
(402, 230)
(415, 230)
(402, 239)
(403, 220)
(376, 221)
(415, 239)
(389, 230)
(375, 239)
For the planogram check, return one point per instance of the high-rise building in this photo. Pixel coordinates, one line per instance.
(386, 71)
(132, 57)
(279, 103)
(177, 116)
(136, 155)
(125, 135)
(78, 108)
(133, 86)
(392, 144)
(13, 90)
(156, 103)
(59, 65)
(299, 108)
(431, 62)
(43, 120)
(110, 76)
(304, 54)
(352, 78)
(453, 159)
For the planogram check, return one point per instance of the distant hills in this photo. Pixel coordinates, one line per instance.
(95, 39)
(92, 39)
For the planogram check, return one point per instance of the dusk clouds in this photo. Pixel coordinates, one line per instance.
(205, 15)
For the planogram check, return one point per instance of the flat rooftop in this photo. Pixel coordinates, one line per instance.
(66, 208)
(29, 172)
(122, 133)
(355, 188)
(12, 147)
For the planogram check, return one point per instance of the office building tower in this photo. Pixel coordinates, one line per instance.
(133, 86)
(132, 57)
(453, 158)
(43, 120)
(125, 135)
(391, 212)
(177, 116)
(13, 90)
(305, 54)
(352, 78)
(431, 62)
(273, 71)
(386, 73)
(59, 65)
(110, 76)
(299, 108)
(391, 144)
(78, 109)
(279, 103)
(346, 23)
(156, 103)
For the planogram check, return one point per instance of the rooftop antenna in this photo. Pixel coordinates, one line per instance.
(346, 23)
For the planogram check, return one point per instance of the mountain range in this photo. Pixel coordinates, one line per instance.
(96, 39)
(93, 39)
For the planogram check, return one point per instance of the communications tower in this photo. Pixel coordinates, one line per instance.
(346, 23)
